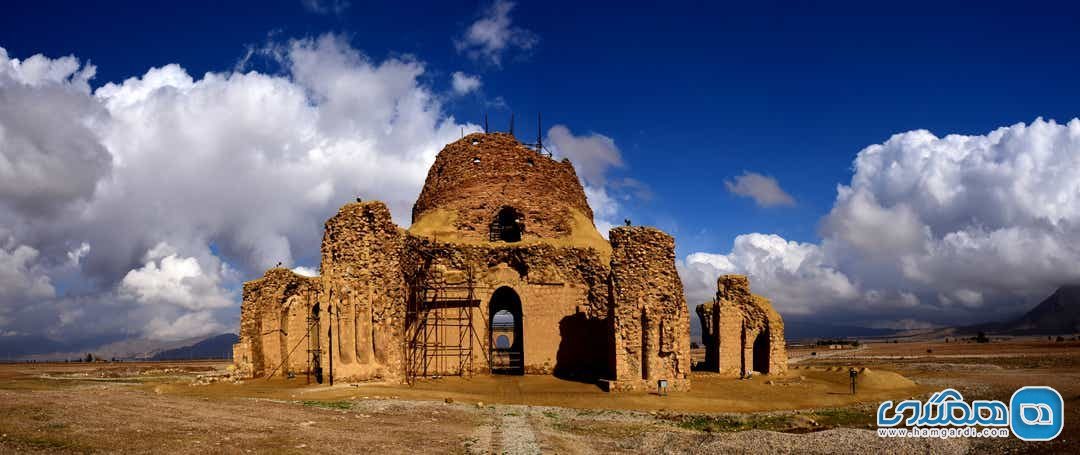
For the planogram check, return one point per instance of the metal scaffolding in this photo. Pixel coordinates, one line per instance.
(440, 333)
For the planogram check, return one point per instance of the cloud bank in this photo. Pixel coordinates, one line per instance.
(954, 230)
(135, 208)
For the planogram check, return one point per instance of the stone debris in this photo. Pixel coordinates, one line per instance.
(230, 377)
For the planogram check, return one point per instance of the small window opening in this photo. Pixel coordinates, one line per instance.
(508, 226)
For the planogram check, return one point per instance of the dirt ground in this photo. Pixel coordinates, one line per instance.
(156, 407)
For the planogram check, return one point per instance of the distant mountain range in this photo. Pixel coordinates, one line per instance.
(798, 329)
(1058, 314)
(215, 347)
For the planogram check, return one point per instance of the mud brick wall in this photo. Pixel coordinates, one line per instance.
(364, 288)
(651, 323)
(709, 315)
(739, 327)
(480, 174)
(563, 292)
(273, 318)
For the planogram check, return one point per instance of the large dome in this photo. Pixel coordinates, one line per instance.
(492, 188)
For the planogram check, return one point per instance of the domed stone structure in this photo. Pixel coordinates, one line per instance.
(492, 179)
(501, 272)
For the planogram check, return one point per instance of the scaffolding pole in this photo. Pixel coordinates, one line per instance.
(440, 331)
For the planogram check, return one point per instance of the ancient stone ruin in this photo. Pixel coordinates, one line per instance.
(501, 272)
(742, 333)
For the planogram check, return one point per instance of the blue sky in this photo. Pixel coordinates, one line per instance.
(691, 92)
(689, 96)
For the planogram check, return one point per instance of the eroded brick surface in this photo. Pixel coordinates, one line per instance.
(741, 331)
(588, 309)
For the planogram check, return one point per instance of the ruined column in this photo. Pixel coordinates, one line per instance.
(361, 253)
(732, 323)
(266, 338)
(651, 324)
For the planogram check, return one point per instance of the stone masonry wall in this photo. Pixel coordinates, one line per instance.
(651, 324)
(273, 322)
(364, 289)
(563, 293)
(732, 323)
(477, 176)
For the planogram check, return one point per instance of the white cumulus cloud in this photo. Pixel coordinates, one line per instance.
(955, 229)
(464, 84)
(168, 279)
(234, 171)
(20, 274)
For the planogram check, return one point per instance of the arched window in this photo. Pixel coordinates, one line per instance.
(508, 225)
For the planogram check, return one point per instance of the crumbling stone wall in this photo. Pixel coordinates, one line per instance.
(563, 293)
(364, 291)
(273, 323)
(741, 331)
(651, 324)
(589, 309)
(477, 176)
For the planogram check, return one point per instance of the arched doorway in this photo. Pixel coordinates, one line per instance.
(505, 332)
(507, 226)
(761, 352)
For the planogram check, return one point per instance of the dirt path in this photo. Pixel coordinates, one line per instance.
(516, 433)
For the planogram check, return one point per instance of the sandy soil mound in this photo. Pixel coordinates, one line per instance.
(883, 380)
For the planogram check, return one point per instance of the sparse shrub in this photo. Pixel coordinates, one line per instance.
(813, 353)
(929, 351)
(693, 345)
(981, 338)
(1060, 339)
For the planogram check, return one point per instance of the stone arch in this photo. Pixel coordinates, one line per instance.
(293, 315)
(760, 356)
(510, 360)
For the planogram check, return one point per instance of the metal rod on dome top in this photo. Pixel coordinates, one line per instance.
(511, 123)
(485, 123)
(539, 134)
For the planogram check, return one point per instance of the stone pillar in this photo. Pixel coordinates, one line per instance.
(265, 321)
(361, 260)
(733, 321)
(709, 315)
(651, 323)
